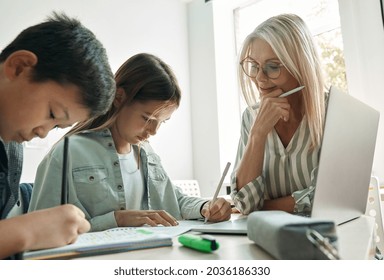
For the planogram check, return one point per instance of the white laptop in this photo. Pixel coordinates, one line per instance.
(346, 159)
(344, 168)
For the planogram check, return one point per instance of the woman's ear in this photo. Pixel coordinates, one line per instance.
(18, 62)
(119, 97)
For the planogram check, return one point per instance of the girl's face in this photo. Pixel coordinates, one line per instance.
(262, 54)
(138, 121)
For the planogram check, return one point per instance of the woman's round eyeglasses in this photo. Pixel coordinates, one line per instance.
(271, 69)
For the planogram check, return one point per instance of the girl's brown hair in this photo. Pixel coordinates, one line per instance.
(143, 77)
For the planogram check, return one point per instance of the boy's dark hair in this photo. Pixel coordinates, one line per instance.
(68, 53)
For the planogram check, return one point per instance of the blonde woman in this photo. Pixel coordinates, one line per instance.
(280, 139)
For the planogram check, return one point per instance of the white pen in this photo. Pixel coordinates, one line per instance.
(219, 186)
(285, 94)
(288, 93)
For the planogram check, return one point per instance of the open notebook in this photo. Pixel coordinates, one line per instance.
(105, 242)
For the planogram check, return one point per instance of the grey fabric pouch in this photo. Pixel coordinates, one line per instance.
(285, 236)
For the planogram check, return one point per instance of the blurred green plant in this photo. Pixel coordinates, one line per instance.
(331, 52)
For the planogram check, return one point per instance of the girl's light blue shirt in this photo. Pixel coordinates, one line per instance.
(96, 184)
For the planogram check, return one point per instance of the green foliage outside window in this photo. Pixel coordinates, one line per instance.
(331, 52)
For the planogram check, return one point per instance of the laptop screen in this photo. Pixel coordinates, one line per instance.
(346, 158)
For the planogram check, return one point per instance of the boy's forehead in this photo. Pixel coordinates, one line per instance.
(68, 98)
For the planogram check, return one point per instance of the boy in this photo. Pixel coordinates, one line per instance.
(53, 74)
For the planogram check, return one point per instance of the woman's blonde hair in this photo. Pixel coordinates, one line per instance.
(292, 42)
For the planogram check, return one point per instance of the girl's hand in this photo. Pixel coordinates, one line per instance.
(136, 218)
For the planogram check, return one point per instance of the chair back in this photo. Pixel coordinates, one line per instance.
(188, 187)
(374, 209)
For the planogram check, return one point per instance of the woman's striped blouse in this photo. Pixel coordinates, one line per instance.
(285, 170)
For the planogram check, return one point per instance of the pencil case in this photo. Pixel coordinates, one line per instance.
(289, 237)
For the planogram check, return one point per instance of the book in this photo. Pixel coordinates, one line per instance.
(110, 241)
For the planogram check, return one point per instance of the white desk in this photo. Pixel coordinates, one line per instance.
(232, 247)
(354, 239)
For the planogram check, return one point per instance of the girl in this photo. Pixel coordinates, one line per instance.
(116, 177)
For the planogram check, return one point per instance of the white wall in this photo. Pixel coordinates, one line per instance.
(214, 94)
(203, 95)
(125, 27)
(363, 35)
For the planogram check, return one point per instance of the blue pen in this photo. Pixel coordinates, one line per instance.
(204, 243)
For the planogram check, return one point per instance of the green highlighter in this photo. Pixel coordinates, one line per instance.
(203, 243)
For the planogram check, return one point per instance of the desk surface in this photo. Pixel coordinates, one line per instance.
(355, 242)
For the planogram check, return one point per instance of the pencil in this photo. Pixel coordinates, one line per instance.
(219, 186)
(64, 182)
